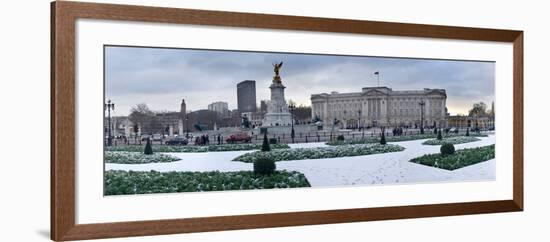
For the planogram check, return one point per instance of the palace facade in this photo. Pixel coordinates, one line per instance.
(381, 106)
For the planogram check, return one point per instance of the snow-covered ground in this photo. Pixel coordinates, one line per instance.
(385, 168)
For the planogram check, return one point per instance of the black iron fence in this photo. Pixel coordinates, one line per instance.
(305, 137)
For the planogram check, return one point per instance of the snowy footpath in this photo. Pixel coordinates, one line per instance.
(387, 168)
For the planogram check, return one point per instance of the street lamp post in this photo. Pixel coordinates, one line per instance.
(422, 105)
(345, 119)
(334, 123)
(292, 107)
(361, 128)
(108, 106)
(359, 119)
(187, 126)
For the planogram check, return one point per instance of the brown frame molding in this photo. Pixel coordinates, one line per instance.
(63, 17)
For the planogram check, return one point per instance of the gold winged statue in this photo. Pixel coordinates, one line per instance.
(277, 68)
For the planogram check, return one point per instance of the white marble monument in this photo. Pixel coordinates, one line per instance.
(277, 108)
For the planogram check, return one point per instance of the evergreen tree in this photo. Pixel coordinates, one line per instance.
(467, 131)
(439, 136)
(265, 144)
(148, 147)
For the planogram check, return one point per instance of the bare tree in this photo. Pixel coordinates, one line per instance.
(142, 115)
(303, 114)
(478, 109)
(291, 102)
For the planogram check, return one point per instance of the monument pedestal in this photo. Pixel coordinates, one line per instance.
(298, 129)
(277, 109)
(277, 119)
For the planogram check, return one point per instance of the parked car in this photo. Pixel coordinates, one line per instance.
(157, 137)
(240, 137)
(177, 141)
(144, 137)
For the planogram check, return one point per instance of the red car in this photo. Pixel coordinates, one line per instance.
(241, 137)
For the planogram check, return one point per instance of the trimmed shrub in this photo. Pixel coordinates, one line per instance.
(383, 139)
(435, 130)
(468, 132)
(264, 166)
(148, 148)
(340, 137)
(265, 144)
(273, 141)
(439, 136)
(447, 149)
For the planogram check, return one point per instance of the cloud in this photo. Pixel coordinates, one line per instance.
(161, 77)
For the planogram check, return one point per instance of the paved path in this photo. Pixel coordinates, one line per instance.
(388, 168)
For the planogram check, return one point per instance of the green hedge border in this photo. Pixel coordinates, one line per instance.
(148, 182)
(460, 159)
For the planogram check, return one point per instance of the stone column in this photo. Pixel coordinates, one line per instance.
(127, 130)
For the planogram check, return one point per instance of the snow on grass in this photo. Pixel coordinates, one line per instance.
(401, 138)
(460, 158)
(387, 168)
(123, 157)
(146, 182)
(193, 148)
(451, 140)
(320, 152)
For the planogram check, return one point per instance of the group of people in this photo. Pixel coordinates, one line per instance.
(397, 131)
(202, 140)
(205, 140)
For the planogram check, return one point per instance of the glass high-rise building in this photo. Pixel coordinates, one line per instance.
(246, 96)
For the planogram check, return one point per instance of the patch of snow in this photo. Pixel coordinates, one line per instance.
(308, 145)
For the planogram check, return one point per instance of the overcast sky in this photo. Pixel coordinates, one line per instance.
(162, 77)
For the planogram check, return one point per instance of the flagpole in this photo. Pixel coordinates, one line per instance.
(378, 79)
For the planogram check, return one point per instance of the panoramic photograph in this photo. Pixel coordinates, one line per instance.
(196, 120)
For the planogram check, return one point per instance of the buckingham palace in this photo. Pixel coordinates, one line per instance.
(381, 106)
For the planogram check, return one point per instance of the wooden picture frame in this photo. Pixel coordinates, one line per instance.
(63, 17)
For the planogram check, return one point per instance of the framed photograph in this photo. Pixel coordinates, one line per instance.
(170, 120)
